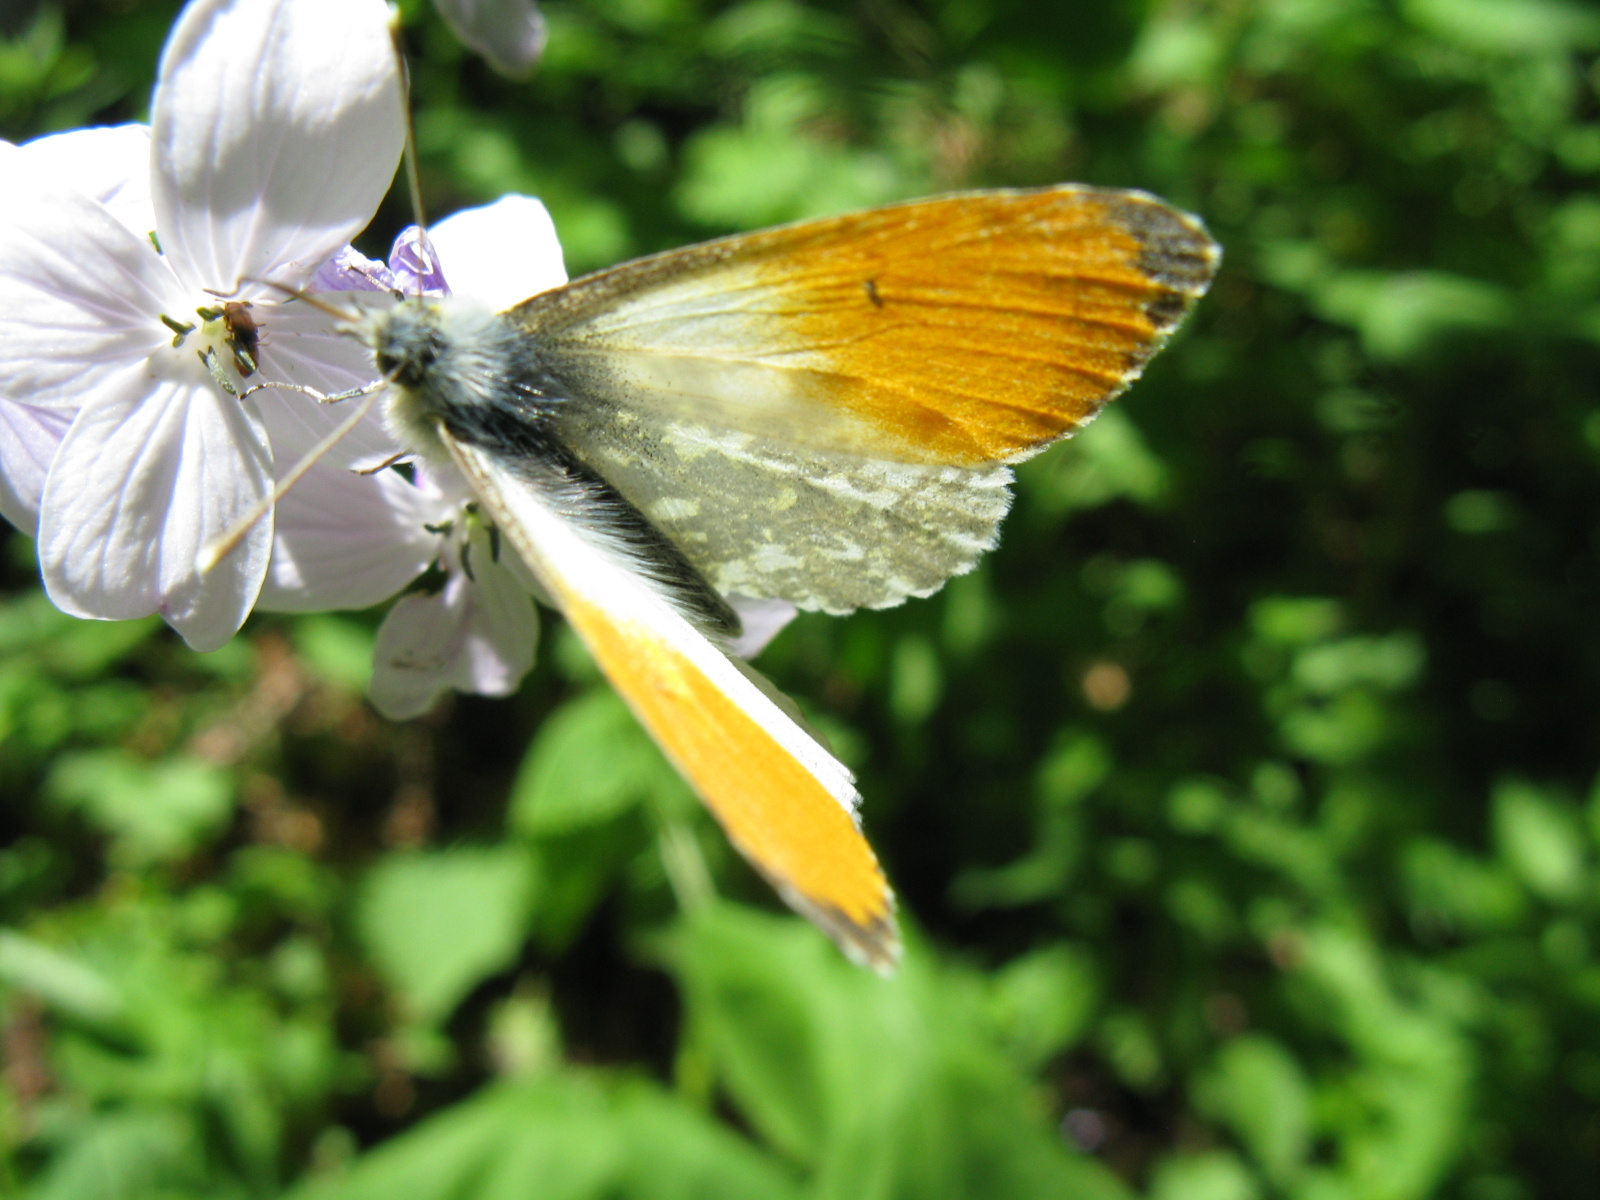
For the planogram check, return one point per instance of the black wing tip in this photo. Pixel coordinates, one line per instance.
(1176, 252)
(874, 943)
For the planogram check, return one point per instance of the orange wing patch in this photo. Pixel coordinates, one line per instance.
(968, 329)
(774, 811)
(991, 326)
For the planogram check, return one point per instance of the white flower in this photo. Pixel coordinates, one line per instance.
(29, 438)
(345, 540)
(111, 165)
(350, 541)
(509, 33)
(275, 132)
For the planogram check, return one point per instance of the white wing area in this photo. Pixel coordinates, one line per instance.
(785, 802)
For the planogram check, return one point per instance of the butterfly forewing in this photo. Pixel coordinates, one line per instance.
(818, 413)
(963, 330)
(784, 801)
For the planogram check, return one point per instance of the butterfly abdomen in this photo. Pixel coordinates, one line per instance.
(607, 521)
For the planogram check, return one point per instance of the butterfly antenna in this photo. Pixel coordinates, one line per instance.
(413, 174)
(350, 316)
(218, 550)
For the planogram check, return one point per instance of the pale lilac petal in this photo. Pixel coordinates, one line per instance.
(414, 265)
(417, 648)
(351, 271)
(472, 637)
(348, 541)
(762, 620)
(108, 163)
(300, 345)
(29, 438)
(502, 253)
(79, 297)
(276, 130)
(148, 475)
(443, 485)
(297, 424)
(509, 33)
(502, 632)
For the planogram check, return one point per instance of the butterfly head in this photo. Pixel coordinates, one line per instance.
(456, 363)
(407, 341)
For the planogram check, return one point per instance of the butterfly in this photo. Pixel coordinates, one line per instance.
(823, 413)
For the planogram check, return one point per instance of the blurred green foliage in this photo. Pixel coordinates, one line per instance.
(1241, 804)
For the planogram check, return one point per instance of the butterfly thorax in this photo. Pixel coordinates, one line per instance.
(478, 374)
(456, 363)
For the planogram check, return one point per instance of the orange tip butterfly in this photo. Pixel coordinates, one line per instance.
(823, 413)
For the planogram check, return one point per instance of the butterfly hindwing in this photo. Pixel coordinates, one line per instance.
(768, 518)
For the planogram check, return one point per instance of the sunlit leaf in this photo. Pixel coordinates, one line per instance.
(567, 1136)
(1540, 840)
(1261, 1092)
(437, 923)
(589, 762)
(153, 811)
(882, 1088)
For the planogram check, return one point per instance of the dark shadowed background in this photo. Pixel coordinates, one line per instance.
(1241, 804)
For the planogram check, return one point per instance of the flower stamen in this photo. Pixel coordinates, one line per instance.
(209, 357)
(180, 329)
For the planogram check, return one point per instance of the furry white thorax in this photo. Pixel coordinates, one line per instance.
(440, 354)
(458, 370)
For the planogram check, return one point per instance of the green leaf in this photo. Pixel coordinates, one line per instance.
(155, 812)
(1473, 895)
(1480, 511)
(337, 648)
(1410, 1084)
(1389, 663)
(68, 647)
(1540, 839)
(915, 679)
(575, 869)
(1258, 1089)
(1400, 314)
(135, 1155)
(1109, 460)
(1216, 1175)
(676, 1153)
(1295, 620)
(1508, 26)
(1041, 1002)
(568, 1136)
(1077, 764)
(886, 1089)
(771, 167)
(61, 980)
(438, 923)
(589, 763)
